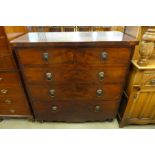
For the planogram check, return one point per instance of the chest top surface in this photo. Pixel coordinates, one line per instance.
(106, 38)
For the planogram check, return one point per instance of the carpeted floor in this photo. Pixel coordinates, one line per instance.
(25, 124)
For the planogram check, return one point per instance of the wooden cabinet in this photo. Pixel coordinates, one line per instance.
(138, 103)
(13, 102)
(74, 77)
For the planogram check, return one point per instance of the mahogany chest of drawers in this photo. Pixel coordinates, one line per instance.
(13, 102)
(74, 76)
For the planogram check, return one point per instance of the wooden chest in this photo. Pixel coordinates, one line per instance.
(74, 76)
(13, 102)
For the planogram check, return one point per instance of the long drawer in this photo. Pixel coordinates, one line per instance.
(75, 111)
(93, 56)
(71, 74)
(75, 91)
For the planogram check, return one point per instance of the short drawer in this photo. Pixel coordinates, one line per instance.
(103, 56)
(71, 74)
(35, 56)
(75, 111)
(14, 105)
(75, 92)
(11, 90)
(147, 78)
(9, 78)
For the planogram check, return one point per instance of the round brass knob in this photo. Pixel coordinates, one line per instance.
(104, 55)
(4, 91)
(152, 82)
(101, 75)
(99, 92)
(54, 108)
(12, 110)
(52, 93)
(49, 76)
(97, 108)
(8, 101)
(1, 78)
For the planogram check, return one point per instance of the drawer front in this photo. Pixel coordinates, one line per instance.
(103, 56)
(34, 56)
(15, 105)
(12, 91)
(9, 78)
(75, 111)
(147, 78)
(71, 74)
(4, 51)
(7, 63)
(75, 92)
(3, 41)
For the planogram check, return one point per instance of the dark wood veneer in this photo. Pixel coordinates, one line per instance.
(74, 60)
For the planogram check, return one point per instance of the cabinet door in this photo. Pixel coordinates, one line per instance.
(142, 103)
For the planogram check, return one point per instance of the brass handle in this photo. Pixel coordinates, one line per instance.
(52, 92)
(4, 91)
(1, 78)
(104, 55)
(45, 56)
(12, 111)
(54, 108)
(49, 76)
(101, 75)
(99, 92)
(8, 101)
(97, 108)
(152, 82)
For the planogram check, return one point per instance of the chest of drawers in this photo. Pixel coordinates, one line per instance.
(74, 76)
(13, 102)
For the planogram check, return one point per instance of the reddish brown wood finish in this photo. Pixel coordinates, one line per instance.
(74, 59)
(70, 39)
(14, 105)
(75, 111)
(32, 56)
(72, 73)
(90, 56)
(8, 78)
(75, 91)
(7, 63)
(13, 102)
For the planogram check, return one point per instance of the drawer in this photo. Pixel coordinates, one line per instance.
(70, 74)
(11, 90)
(103, 56)
(36, 56)
(7, 63)
(75, 92)
(4, 51)
(16, 105)
(75, 111)
(9, 78)
(147, 78)
(3, 41)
